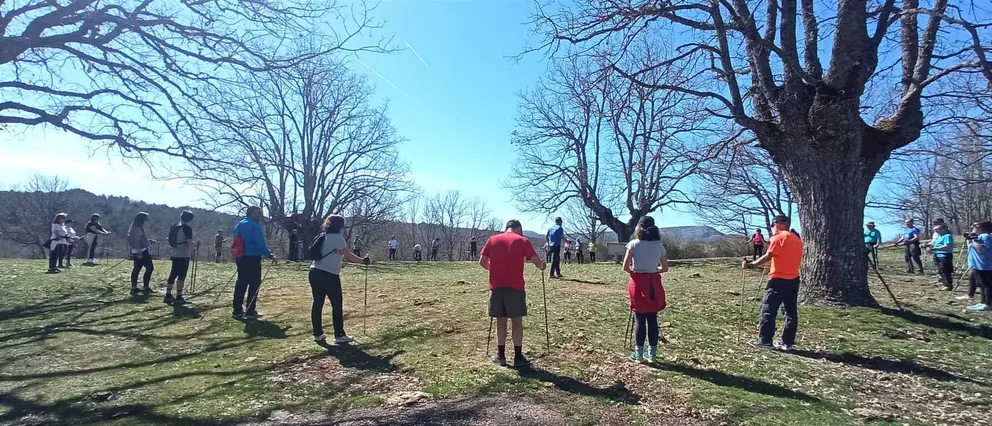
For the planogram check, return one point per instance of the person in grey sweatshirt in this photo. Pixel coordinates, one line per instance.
(139, 243)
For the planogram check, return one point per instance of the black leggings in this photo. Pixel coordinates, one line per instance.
(758, 251)
(54, 255)
(323, 285)
(180, 267)
(646, 326)
(945, 269)
(142, 260)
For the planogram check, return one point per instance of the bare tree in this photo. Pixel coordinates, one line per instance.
(829, 128)
(583, 222)
(148, 63)
(311, 143)
(478, 213)
(26, 213)
(494, 225)
(741, 190)
(447, 213)
(620, 148)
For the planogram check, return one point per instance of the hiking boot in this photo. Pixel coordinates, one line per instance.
(979, 307)
(343, 339)
(520, 362)
(321, 338)
(168, 299)
(53, 271)
(135, 291)
(179, 300)
(782, 346)
(651, 355)
(148, 290)
(253, 315)
(758, 344)
(636, 356)
(498, 360)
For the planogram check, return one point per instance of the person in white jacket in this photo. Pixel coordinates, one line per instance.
(94, 230)
(59, 234)
(70, 243)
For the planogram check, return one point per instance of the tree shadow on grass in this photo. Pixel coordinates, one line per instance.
(902, 366)
(185, 311)
(264, 329)
(351, 356)
(941, 323)
(616, 393)
(720, 378)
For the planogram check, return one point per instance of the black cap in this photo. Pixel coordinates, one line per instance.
(646, 221)
(781, 218)
(513, 223)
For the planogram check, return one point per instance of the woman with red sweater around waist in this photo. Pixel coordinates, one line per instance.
(645, 261)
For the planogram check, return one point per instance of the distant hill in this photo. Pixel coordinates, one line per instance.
(25, 220)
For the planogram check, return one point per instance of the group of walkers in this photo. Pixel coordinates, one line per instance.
(557, 244)
(63, 241)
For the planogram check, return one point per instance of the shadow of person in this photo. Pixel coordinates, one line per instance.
(263, 328)
(352, 356)
(720, 378)
(616, 393)
(185, 311)
(941, 323)
(140, 297)
(903, 366)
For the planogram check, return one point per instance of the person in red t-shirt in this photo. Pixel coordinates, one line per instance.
(758, 243)
(503, 256)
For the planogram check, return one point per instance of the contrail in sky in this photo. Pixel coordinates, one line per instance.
(383, 78)
(415, 53)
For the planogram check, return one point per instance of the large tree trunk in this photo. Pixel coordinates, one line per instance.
(829, 170)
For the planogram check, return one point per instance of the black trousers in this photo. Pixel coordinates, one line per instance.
(872, 254)
(325, 285)
(913, 256)
(92, 248)
(53, 255)
(434, 254)
(294, 252)
(579, 256)
(249, 280)
(474, 249)
(784, 293)
(180, 267)
(985, 282)
(592, 257)
(392, 254)
(555, 254)
(646, 328)
(68, 255)
(945, 269)
(758, 250)
(142, 260)
(217, 259)
(973, 284)
(60, 251)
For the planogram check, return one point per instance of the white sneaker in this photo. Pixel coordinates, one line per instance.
(321, 338)
(343, 339)
(965, 297)
(782, 346)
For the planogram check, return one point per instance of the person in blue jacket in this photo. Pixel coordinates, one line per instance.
(249, 237)
(873, 238)
(554, 238)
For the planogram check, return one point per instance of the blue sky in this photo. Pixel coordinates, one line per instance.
(455, 104)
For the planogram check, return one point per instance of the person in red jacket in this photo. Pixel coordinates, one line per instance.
(645, 260)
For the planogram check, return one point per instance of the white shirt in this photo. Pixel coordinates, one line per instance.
(59, 234)
(645, 255)
(393, 244)
(333, 244)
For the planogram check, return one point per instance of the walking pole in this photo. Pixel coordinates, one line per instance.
(740, 311)
(958, 282)
(490, 338)
(259, 289)
(365, 308)
(893, 296)
(547, 330)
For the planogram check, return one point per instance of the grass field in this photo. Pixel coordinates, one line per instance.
(77, 348)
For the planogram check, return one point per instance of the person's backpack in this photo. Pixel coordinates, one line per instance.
(174, 235)
(317, 245)
(238, 246)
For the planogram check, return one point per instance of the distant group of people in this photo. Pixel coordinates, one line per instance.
(559, 247)
(63, 239)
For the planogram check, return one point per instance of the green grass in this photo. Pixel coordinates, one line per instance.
(76, 348)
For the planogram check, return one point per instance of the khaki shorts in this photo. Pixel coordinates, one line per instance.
(505, 302)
